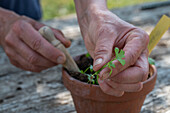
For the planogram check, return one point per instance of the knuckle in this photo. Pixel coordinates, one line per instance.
(132, 58)
(33, 59)
(144, 36)
(15, 26)
(36, 44)
(101, 50)
(18, 26)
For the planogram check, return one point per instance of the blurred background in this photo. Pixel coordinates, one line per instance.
(53, 8)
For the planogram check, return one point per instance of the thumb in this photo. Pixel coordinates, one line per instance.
(102, 53)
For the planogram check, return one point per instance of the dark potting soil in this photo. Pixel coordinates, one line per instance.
(83, 63)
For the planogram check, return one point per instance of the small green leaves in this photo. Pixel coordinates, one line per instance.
(151, 61)
(91, 68)
(81, 71)
(87, 55)
(111, 65)
(93, 78)
(120, 55)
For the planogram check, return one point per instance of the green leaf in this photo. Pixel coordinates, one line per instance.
(93, 81)
(91, 78)
(81, 71)
(87, 55)
(120, 55)
(122, 61)
(112, 65)
(91, 68)
(151, 61)
(116, 51)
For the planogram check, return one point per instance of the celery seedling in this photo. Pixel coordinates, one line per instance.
(110, 65)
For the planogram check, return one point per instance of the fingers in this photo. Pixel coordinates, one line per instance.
(37, 43)
(133, 74)
(133, 49)
(109, 90)
(129, 80)
(129, 75)
(60, 36)
(136, 73)
(27, 53)
(112, 88)
(135, 87)
(19, 62)
(103, 48)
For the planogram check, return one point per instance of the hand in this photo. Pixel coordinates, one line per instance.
(27, 49)
(102, 33)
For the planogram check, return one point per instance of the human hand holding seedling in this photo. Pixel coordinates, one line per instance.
(93, 78)
(103, 31)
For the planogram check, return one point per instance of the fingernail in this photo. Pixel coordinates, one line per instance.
(98, 61)
(105, 75)
(60, 60)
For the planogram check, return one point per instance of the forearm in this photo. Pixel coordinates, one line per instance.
(6, 19)
(86, 8)
(82, 6)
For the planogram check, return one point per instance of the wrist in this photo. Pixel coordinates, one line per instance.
(86, 9)
(93, 11)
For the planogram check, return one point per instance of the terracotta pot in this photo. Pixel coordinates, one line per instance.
(91, 99)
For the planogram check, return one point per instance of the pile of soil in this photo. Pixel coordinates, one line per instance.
(83, 63)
